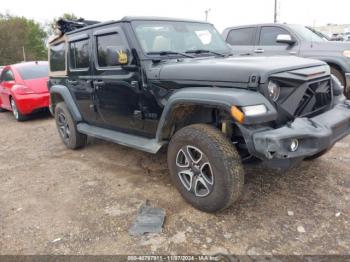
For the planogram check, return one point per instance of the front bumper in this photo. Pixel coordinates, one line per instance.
(314, 135)
(29, 103)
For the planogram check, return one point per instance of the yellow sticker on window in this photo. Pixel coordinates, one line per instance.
(122, 57)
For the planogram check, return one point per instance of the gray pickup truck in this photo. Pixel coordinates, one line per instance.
(285, 39)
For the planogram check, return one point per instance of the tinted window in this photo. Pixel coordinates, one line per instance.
(243, 36)
(58, 57)
(33, 71)
(7, 76)
(106, 46)
(79, 54)
(268, 35)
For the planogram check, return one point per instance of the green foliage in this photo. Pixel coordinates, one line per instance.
(18, 33)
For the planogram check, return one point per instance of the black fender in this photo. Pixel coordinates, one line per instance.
(63, 91)
(222, 98)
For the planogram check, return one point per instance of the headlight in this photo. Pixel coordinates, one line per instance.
(346, 53)
(274, 91)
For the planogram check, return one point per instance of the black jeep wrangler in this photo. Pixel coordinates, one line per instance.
(150, 82)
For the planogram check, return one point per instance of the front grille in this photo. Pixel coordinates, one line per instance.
(316, 99)
(302, 99)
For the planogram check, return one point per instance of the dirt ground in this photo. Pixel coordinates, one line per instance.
(57, 201)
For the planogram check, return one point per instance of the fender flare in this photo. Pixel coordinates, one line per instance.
(64, 92)
(223, 98)
(334, 60)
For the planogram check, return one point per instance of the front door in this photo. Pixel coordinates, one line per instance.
(6, 83)
(268, 46)
(116, 86)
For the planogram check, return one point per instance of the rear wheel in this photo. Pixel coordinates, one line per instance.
(340, 76)
(67, 128)
(16, 112)
(205, 167)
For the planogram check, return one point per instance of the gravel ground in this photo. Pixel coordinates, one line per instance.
(58, 201)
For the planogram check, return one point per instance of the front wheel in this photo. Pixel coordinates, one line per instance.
(205, 167)
(67, 128)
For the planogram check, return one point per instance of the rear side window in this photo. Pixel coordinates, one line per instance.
(242, 36)
(58, 57)
(79, 54)
(268, 35)
(106, 46)
(33, 71)
(7, 76)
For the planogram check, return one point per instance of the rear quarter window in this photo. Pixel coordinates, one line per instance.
(33, 71)
(58, 57)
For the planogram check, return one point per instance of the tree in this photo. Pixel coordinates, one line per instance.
(21, 35)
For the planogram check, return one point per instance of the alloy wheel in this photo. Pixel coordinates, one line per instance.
(194, 171)
(63, 126)
(14, 108)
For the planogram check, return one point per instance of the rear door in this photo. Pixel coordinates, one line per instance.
(7, 81)
(267, 42)
(80, 76)
(117, 88)
(242, 40)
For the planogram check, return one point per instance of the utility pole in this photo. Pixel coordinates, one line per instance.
(275, 13)
(24, 54)
(207, 14)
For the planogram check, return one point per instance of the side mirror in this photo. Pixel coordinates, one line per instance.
(285, 39)
(117, 55)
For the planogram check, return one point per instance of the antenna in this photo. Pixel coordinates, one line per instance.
(275, 13)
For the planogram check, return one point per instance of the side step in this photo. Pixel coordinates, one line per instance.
(140, 143)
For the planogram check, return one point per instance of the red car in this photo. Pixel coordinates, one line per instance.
(23, 88)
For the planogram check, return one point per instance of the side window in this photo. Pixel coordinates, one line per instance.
(58, 57)
(79, 57)
(107, 47)
(7, 75)
(268, 35)
(242, 36)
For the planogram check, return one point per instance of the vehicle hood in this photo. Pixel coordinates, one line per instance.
(38, 85)
(327, 46)
(232, 69)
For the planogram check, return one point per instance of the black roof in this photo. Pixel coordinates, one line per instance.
(136, 18)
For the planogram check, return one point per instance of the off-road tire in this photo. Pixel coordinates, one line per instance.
(64, 119)
(340, 76)
(16, 112)
(225, 164)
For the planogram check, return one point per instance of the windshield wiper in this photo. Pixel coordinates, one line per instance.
(169, 53)
(201, 51)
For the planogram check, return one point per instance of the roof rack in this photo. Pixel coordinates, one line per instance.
(65, 25)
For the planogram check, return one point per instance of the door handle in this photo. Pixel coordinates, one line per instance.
(72, 82)
(259, 51)
(245, 54)
(99, 83)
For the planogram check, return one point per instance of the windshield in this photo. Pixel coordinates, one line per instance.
(178, 37)
(33, 71)
(306, 33)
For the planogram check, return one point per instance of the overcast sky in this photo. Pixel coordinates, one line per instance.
(223, 13)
